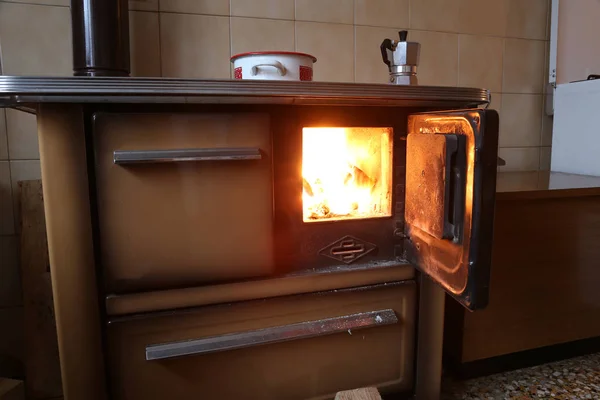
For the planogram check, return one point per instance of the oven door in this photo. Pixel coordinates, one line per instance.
(451, 160)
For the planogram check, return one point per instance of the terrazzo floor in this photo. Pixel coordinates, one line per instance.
(575, 378)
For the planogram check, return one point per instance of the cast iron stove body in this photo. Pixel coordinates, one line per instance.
(206, 232)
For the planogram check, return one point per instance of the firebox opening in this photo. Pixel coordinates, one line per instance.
(346, 173)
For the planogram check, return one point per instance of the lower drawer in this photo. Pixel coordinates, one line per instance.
(296, 347)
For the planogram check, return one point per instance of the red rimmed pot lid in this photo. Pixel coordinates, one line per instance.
(267, 53)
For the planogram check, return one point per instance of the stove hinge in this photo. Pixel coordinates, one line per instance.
(400, 187)
(401, 242)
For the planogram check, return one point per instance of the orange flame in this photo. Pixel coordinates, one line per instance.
(346, 173)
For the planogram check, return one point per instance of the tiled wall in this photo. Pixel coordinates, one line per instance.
(577, 26)
(497, 44)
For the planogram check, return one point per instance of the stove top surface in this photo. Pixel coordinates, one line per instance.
(21, 91)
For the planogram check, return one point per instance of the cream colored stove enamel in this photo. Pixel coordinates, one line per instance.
(183, 223)
(314, 367)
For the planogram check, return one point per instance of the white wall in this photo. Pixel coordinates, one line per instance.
(578, 52)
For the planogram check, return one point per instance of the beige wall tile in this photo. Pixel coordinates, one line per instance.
(519, 181)
(64, 3)
(369, 65)
(277, 9)
(389, 13)
(527, 19)
(10, 277)
(22, 135)
(253, 34)
(435, 15)
(3, 136)
(144, 43)
(496, 104)
(521, 124)
(545, 158)
(7, 219)
(577, 40)
(22, 171)
(524, 66)
(143, 5)
(35, 40)
(483, 17)
(212, 7)
(438, 63)
(546, 130)
(333, 45)
(480, 62)
(548, 20)
(546, 76)
(11, 341)
(520, 159)
(194, 46)
(338, 11)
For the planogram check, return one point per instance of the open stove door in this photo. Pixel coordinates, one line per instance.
(451, 160)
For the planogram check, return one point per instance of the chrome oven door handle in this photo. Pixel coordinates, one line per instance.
(275, 334)
(125, 157)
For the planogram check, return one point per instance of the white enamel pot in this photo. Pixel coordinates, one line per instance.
(273, 65)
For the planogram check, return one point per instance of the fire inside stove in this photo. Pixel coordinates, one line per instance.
(346, 173)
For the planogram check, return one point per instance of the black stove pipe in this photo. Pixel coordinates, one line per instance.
(100, 37)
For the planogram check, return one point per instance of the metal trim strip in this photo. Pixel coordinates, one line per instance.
(20, 89)
(128, 157)
(275, 334)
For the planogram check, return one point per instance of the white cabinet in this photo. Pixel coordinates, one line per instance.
(574, 55)
(576, 136)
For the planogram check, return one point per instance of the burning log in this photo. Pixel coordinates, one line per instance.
(360, 178)
(321, 212)
(307, 188)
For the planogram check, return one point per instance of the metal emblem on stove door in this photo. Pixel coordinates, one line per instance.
(347, 249)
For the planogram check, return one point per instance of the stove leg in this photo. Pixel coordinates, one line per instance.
(70, 246)
(430, 340)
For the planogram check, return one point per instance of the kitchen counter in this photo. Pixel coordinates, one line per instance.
(544, 276)
(545, 184)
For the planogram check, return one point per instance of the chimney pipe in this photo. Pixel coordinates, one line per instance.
(100, 37)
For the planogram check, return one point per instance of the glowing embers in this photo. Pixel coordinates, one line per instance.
(346, 173)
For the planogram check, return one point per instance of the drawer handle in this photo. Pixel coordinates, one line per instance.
(123, 157)
(276, 334)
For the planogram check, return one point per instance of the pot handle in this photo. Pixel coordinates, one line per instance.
(275, 64)
(385, 46)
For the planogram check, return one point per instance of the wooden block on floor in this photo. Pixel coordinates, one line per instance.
(369, 393)
(11, 389)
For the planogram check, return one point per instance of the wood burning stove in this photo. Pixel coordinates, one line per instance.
(257, 240)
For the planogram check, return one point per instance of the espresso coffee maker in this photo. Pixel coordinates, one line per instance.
(402, 58)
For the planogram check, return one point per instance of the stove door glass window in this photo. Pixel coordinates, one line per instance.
(346, 173)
